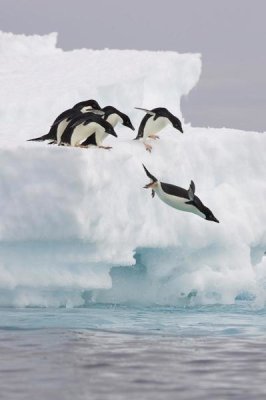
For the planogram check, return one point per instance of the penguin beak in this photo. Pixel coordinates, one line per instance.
(112, 132)
(214, 219)
(177, 125)
(179, 128)
(130, 126)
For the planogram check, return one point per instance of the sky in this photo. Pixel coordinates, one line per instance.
(230, 35)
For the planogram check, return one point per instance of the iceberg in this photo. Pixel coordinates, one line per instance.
(76, 225)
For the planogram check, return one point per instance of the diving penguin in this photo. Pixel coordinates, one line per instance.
(153, 122)
(87, 130)
(179, 198)
(62, 121)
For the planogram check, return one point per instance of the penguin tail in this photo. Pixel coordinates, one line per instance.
(40, 139)
(149, 175)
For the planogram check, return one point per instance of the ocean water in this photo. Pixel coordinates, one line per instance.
(107, 351)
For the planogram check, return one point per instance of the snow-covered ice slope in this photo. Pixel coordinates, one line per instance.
(70, 215)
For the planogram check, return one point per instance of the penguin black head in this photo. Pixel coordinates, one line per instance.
(209, 215)
(176, 123)
(87, 105)
(126, 122)
(108, 110)
(163, 112)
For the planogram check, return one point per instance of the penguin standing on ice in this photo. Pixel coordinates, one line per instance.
(179, 198)
(113, 116)
(62, 121)
(153, 122)
(88, 130)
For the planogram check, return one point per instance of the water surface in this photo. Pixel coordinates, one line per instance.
(123, 352)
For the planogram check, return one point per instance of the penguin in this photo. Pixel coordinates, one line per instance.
(113, 116)
(179, 198)
(87, 130)
(153, 122)
(62, 121)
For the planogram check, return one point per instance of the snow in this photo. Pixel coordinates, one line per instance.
(70, 216)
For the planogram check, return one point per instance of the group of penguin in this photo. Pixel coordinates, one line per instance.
(87, 124)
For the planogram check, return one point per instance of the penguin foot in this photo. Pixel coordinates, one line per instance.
(154, 137)
(53, 142)
(105, 147)
(148, 147)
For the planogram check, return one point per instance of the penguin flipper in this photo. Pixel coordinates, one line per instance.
(152, 193)
(142, 126)
(80, 121)
(149, 175)
(91, 140)
(191, 191)
(145, 110)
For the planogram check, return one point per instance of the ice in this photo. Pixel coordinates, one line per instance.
(71, 217)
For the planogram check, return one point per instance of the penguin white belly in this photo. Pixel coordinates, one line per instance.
(152, 127)
(178, 203)
(82, 132)
(100, 135)
(60, 129)
(113, 119)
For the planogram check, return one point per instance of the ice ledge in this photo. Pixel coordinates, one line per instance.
(54, 80)
(23, 44)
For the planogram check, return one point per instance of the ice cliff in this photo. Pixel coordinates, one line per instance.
(73, 221)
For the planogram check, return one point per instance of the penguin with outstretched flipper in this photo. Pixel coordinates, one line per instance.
(154, 121)
(179, 198)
